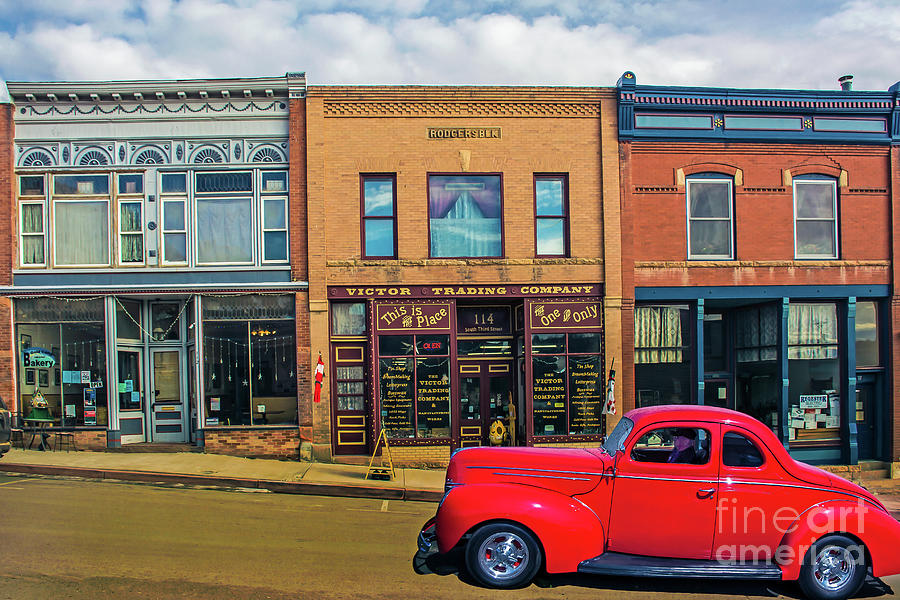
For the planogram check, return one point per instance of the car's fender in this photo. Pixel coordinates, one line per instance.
(878, 531)
(567, 529)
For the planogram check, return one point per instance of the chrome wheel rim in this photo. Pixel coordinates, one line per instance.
(502, 556)
(835, 566)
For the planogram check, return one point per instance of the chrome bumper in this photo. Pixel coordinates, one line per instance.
(427, 537)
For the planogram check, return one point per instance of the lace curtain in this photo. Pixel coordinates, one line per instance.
(756, 334)
(82, 233)
(812, 331)
(658, 334)
(132, 243)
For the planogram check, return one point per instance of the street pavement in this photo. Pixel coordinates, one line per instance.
(87, 539)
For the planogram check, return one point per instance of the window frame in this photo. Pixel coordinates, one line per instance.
(184, 198)
(129, 198)
(251, 196)
(108, 199)
(30, 200)
(363, 178)
(710, 178)
(564, 178)
(818, 180)
(428, 177)
(263, 230)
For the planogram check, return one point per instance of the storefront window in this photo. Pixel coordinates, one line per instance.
(348, 318)
(662, 354)
(756, 371)
(567, 377)
(249, 360)
(814, 373)
(414, 376)
(465, 215)
(867, 354)
(128, 320)
(62, 359)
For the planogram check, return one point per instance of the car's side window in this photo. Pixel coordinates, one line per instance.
(677, 445)
(740, 451)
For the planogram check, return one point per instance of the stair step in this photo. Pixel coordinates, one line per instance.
(615, 563)
(875, 474)
(873, 465)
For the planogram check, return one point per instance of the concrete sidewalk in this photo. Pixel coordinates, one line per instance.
(196, 468)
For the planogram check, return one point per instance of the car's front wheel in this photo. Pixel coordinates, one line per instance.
(503, 555)
(834, 568)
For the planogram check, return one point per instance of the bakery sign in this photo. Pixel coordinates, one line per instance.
(412, 316)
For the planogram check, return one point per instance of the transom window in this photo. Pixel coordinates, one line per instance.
(709, 210)
(815, 219)
(465, 216)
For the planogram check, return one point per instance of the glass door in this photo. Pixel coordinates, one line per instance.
(486, 399)
(130, 390)
(864, 409)
(349, 393)
(167, 410)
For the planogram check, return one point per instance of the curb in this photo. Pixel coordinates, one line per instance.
(279, 487)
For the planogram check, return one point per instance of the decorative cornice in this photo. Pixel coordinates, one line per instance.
(157, 109)
(461, 109)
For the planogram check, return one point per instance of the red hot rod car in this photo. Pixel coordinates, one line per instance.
(684, 491)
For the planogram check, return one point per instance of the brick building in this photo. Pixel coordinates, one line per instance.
(153, 276)
(456, 252)
(758, 236)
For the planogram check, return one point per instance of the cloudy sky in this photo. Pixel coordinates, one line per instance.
(741, 43)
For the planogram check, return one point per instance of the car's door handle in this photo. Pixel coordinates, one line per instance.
(706, 492)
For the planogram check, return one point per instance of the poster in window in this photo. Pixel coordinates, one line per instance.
(43, 378)
(549, 374)
(433, 396)
(29, 376)
(585, 395)
(397, 396)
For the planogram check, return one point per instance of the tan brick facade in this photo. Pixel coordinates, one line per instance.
(256, 443)
(354, 131)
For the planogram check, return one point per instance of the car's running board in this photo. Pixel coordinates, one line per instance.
(614, 563)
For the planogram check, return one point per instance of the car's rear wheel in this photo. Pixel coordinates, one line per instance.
(834, 568)
(503, 555)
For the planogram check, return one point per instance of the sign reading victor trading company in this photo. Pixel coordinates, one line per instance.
(482, 291)
(565, 315)
(407, 317)
(455, 133)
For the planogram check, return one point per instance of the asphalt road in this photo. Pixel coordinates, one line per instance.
(65, 538)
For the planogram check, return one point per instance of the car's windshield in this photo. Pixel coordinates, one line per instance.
(616, 440)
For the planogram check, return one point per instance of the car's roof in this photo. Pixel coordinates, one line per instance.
(693, 412)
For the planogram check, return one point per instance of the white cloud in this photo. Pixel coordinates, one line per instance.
(572, 42)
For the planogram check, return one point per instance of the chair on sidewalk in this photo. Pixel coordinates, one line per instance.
(17, 433)
(67, 439)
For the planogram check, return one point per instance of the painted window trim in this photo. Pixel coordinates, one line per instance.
(71, 198)
(168, 198)
(264, 230)
(564, 177)
(812, 179)
(687, 194)
(428, 177)
(139, 200)
(363, 177)
(30, 201)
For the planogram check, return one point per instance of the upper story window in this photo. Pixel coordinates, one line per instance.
(815, 218)
(551, 215)
(81, 220)
(205, 218)
(379, 216)
(465, 216)
(710, 218)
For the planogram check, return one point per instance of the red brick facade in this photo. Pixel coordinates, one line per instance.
(8, 220)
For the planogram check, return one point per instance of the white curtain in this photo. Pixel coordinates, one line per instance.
(82, 233)
(657, 334)
(465, 231)
(224, 230)
(812, 331)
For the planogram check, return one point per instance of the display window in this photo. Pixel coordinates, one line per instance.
(62, 361)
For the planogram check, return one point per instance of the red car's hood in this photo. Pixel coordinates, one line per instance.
(568, 471)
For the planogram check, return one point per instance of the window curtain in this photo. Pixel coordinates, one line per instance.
(224, 230)
(465, 229)
(756, 333)
(812, 331)
(32, 245)
(657, 335)
(133, 244)
(82, 233)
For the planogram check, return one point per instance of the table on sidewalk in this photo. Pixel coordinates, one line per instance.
(39, 426)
